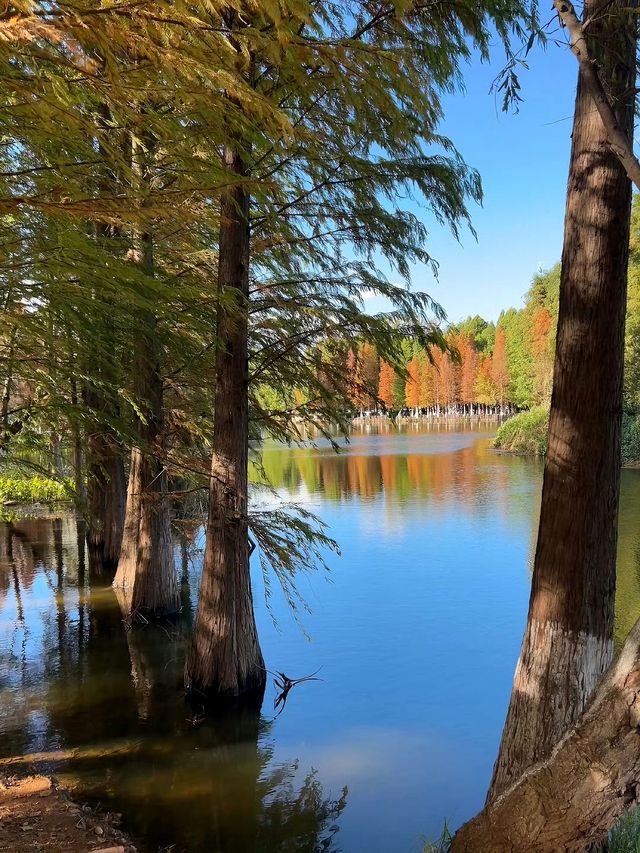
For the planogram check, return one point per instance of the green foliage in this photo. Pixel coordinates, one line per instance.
(625, 836)
(115, 124)
(545, 291)
(442, 844)
(525, 433)
(630, 438)
(336, 108)
(290, 541)
(34, 490)
(481, 332)
(530, 361)
(517, 331)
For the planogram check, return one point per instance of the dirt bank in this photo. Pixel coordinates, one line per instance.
(36, 815)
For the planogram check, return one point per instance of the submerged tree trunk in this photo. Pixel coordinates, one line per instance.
(574, 798)
(225, 657)
(568, 641)
(146, 573)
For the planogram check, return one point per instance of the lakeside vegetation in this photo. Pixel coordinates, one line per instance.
(35, 489)
(526, 434)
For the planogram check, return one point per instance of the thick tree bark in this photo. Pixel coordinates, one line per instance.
(146, 573)
(573, 799)
(225, 657)
(568, 641)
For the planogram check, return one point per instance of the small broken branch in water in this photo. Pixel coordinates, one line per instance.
(284, 685)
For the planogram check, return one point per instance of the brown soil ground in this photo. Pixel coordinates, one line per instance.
(38, 817)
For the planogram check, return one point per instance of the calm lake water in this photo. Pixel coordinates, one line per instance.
(416, 631)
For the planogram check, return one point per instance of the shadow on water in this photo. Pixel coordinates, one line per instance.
(101, 706)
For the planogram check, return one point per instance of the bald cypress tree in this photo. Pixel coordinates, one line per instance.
(568, 642)
(359, 92)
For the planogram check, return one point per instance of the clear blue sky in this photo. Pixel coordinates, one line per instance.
(523, 161)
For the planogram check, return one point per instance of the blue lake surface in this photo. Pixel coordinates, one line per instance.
(415, 631)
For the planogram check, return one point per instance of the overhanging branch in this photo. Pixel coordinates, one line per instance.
(618, 140)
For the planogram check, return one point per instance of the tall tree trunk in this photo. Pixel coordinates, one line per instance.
(78, 452)
(106, 481)
(57, 464)
(7, 389)
(225, 657)
(574, 798)
(568, 642)
(106, 486)
(146, 572)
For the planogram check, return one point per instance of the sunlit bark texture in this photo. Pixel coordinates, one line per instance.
(572, 799)
(568, 641)
(225, 657)
(146, 571)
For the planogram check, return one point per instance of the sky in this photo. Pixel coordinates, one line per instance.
(523, 161)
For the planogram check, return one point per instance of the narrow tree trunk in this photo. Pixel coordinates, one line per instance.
(106, 482)
(78, 452)
(7, 389)
(106, 488)
(568, 641)
(574, 798)
(56, 454)
(146, 572)
(225, 656)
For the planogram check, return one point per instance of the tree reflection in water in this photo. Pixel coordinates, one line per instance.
(107, 702)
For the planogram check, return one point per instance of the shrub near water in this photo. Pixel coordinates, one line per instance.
(525, 433)
(33, 490)
(630, 438)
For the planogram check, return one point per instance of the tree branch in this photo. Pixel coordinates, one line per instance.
(618, 139)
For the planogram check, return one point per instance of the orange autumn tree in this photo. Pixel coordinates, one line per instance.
(413, 384)
(468, 368)
(542, 351)
(385, 385)
(450, 370)
(485, 390)
(426, 396)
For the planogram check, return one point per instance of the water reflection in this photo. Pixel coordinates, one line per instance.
(416, 636)
(432, 469)
(101, 705)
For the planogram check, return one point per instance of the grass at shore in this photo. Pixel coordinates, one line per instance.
(526, 434)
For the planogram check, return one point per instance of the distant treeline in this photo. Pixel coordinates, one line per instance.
(487, 366)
